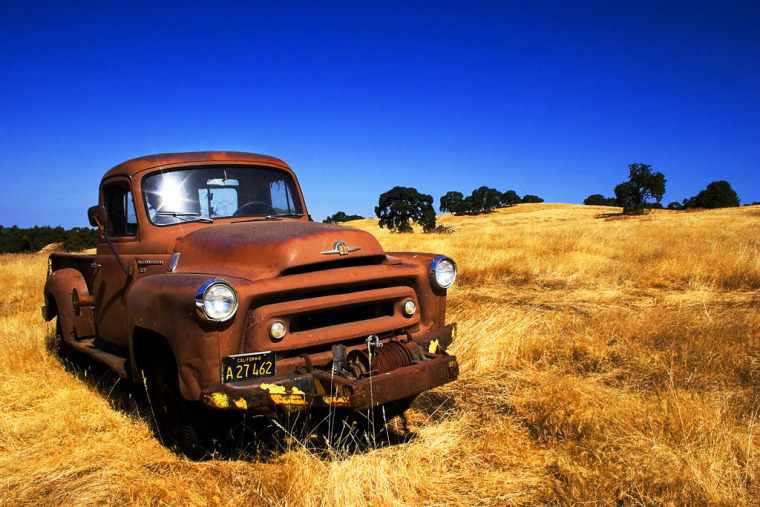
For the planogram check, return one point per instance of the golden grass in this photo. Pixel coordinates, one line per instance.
(604, 359)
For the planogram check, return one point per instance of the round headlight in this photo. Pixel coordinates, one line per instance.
(443, 272)
(277, 330)
(409, 307)
(216, 300)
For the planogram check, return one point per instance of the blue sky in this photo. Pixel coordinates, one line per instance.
(549, 98)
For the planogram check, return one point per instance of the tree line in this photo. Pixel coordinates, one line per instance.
(482, 200)
(643, 185)
(718, 194)
(17, 240)
(643, 190)
(400, 206)
(339, 217)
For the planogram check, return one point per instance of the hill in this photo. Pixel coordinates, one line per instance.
(604, 359)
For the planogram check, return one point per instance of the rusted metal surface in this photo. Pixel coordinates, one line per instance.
(339, 297)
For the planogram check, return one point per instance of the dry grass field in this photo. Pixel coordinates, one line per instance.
(604, 359)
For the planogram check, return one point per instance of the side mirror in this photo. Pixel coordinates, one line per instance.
(97, 214)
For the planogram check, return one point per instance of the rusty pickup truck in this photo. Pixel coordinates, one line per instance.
(211, 286)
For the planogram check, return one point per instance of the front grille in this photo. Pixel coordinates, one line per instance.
(332, 318)
(340, 316)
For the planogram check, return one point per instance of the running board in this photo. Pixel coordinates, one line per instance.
(113, 361)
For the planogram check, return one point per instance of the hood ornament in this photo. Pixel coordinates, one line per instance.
(341, 248)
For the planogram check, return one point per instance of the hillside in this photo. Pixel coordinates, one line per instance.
(603, 359)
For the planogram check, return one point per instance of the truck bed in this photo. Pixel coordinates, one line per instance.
(80, 262)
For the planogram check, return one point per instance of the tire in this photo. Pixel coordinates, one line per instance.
(60, 346)
(177, 421)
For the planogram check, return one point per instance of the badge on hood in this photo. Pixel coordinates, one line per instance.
(341, 248)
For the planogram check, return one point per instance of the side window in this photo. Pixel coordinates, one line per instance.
(120, 207)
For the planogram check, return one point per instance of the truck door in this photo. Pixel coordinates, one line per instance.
(111, 281)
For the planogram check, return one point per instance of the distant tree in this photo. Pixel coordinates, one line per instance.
(510, 198)
(623, 196)
(599, 200)
(718, 194)
(642, 185)
(399, 205)
(675, 205)
(468, 205)
(452, 202)
(595, 200)
(474, 202)
(341, 216)
(492, 198)
(531, 198)
(484, 199)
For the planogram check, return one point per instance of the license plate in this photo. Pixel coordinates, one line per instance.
(247, 366)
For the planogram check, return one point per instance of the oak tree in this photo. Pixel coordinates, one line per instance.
(718, 194)
(400, 205)
(642, 185)
(452, 202)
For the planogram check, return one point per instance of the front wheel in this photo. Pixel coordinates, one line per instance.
(177, 422)
(61, 347)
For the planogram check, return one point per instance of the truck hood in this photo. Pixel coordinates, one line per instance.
(264, 249)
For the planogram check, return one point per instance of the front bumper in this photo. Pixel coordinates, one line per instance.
(320, 388)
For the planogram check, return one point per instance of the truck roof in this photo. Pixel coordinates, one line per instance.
(137, 165)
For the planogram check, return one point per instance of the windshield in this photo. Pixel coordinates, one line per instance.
(206, 193)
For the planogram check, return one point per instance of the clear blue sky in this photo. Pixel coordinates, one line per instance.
(548, 98)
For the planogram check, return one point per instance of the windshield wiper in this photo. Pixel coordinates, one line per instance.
(264, 218)
(257, 218)
(279, 215)
(185, 216)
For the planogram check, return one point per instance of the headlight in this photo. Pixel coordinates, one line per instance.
(409, 307)
(443, 272)
(277, 330)
(216, 300)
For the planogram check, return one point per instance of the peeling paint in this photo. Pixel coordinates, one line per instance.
(281, 397)
(273, 388)
(219, 400)
(336, 400)
(241, 403)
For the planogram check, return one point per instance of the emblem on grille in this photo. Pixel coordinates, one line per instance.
(341, 248)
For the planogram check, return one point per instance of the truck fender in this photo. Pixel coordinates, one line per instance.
(163, 305)
(68, 298)
(432, 301)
